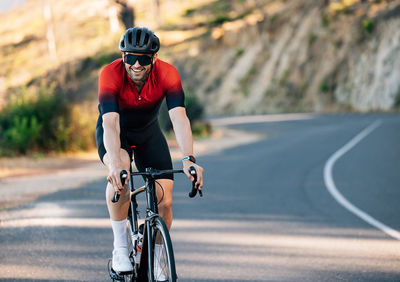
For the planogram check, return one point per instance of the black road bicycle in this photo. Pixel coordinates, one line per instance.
(143, 238)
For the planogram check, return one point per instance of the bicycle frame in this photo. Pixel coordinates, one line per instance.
(145, 266)
(146, 259)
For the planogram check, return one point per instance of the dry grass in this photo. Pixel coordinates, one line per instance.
(40, 164)
(81, 28)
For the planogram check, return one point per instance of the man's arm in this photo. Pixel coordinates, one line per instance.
(112, 145)
(183, 133)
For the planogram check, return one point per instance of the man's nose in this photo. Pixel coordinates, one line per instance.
(137, 65)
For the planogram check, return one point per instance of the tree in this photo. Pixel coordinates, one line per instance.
(157, 12)
(127, 13)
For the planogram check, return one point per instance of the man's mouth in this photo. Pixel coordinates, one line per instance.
(136, 71)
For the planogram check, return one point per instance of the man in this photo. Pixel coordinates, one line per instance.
(131, 90)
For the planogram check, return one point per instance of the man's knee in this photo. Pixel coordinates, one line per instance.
(165, 204)
(124, 157)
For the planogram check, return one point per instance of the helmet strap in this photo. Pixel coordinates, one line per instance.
(152, 57)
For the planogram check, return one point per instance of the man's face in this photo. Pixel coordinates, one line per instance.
(137, 72)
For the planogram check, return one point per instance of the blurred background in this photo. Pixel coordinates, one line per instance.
(326, 74)
(235, 56)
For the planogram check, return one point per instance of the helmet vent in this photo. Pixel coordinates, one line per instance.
(129, 37)
(139, 32)
(146, 39)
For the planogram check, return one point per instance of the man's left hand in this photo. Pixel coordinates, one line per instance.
(199, 171)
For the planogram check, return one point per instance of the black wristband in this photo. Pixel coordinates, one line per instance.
(189, 158)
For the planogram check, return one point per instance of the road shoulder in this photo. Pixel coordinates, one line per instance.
(24, 180)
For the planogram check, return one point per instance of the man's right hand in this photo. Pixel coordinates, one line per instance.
(115, 179)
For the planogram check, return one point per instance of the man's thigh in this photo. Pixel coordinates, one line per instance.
(154, 153)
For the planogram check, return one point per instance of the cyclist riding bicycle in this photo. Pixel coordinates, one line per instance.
(131, 90)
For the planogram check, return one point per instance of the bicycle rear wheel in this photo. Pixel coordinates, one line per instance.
(163, 254)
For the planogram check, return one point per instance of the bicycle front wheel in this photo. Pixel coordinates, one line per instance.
(163, 254)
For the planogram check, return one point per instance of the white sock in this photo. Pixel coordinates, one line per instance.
(158, 250)
(119, 230)
(158, 255)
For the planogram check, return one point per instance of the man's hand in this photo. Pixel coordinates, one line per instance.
(199, 171)
(114, 178)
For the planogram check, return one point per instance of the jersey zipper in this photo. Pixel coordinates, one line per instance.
(134, 89)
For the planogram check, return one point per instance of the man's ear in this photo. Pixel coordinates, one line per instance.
(154, 57)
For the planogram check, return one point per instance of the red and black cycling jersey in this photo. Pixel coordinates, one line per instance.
(117, 93)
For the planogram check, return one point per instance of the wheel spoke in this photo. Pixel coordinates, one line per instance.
(164, 264)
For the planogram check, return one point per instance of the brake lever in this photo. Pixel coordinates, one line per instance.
(123, 175)
(193, 193)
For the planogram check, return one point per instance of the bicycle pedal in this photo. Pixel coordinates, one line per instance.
(115, 276)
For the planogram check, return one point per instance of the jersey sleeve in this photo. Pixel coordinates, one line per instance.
(174, 94)
(108, 90)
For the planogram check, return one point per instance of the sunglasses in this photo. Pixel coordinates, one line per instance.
(144, 60)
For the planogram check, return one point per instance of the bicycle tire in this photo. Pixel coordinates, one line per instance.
(165, 259)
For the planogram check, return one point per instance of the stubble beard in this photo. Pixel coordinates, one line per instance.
(138, 79)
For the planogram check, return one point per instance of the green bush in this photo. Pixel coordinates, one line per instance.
(311, 38)
(194, 111)
(95, 62)
(220, 19)
(23, 133)
(324, 87)
(247, 79)
(106, 58)
(27, 123)
(201, 129)
(325, 20)
(397, 100)
(239, 52)
(43, 122)
(367, 26)
(189, 12)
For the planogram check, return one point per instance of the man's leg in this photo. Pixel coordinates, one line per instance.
(118, 212)
(165, 195)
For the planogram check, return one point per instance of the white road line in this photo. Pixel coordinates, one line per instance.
(330, 184)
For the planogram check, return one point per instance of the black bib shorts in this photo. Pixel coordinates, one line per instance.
(151, 148)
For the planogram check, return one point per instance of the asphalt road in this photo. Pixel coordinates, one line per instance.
(266, 214)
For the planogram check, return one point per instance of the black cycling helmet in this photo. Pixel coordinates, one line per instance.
(139, 40)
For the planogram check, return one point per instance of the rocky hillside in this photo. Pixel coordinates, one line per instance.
(237, 56)
(297, 56)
